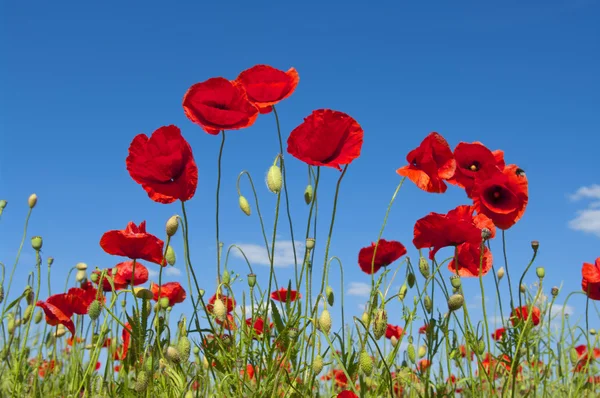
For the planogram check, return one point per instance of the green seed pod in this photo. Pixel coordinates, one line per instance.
(251, 280)
(424, 267)
(455, 281)
(274, 179)
(94, 310)
(428, 304)
(366, 363)
(244, 205)
(310, 243)
(535, 245)
(329, 295)
(170, 255)
(308, 194)
(410, 352)
(554, 291)
(50, 261)
(411, 279)
(455, 302)
(163, 302)
(324, 321)
(380, 323)
(184, 346)
(36, 243)
(317, 365)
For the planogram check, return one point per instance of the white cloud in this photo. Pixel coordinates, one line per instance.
(152, 273)
(359, 289)
(172, 271)
(557, 310)
(257, 254)
(588, 219)
(246, 311)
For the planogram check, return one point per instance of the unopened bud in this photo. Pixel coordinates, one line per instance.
(81, 266)
(455, 302)
(79, 276)
(94, 310)
(36, 243)
(251, 280)
(535, 245)
(329, 295)
(308, 194)
(317, 365)
(411, 279)
(50, 261)
(141, 382)
(424, 267)
(220, 310)
(366, 363)
(163, 302)
(573, 356)
(172, 225)
(365, 318)
(170, 256)
(32, 201)
(325, 321)
(428, 304)
(185, 347)
(173, 354)
(28, 312)
(593, 332)
(540, 272)
(310, 243)
(480, 346)
(1, 293)
(410, 352)
(523, 288)
(244, 205)
(29, 294)
(500, 273)
(394, 341)
(37, 318)
(3, 204)
(422, 351)
(402, 292)
(274, 180)
(226, 278)
(554, 291)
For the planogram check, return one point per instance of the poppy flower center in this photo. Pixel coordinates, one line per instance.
(474, 166)
(217, 105)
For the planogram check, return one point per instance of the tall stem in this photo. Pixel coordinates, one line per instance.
(217, 205)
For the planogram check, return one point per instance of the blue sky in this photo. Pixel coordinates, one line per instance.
(79, 81)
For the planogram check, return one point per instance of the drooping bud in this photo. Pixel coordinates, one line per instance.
(422, 351)
(554, 291)
(523, 288)
(455, 302)
(80, 275)
(220, 310)
(365, 318)
(428, 304)
(402, 292)
(410, 352)
(28, 312)
(424, 267)
(540, 272)
(535, 245)
(36, 243)
(94, 310)
(251, 280)
(308, 194)
(317, 364)
(274, 180)
(29, 294)
(61, 330)
(455, 281)
(170, 255)
(480, 346)
(244, 205)
(500, 273)
(411, 279)
(226, 279)
(173, 354)
(394, 341)
(1, 293)
(172, 225)
(329, 295)
(310, 243)
(573, 356)
(366, 363)
(325, 321)
(380, 323)
(32, 200)
(37, 318)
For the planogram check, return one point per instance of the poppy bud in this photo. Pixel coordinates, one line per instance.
(486, 233)
(81, 266)
(11, 326)
(317, 365)
(293, 333)
(500, 273)
(593, 332)
(308, 194)
(410, 352)
(365, 318)
(29, 294)
(251, 280)
(480, 346)
(380, 324)
(310, 243)
(204, 363)
(244, 205)
(325, 321)
(274, 180)
(170, 255)
(123, 303)
(32, 200)
(94, 310)
(424, 267)
(455, 302)
(143, 293)
(79, 276)
(422, 351)
(428, 304)
(163, 302)
(402, 292)
(535, 245)
(329, 295)
(36, 243)
(411, 279)
(394, 341)
(226, 277)
(201, 292)
(3, 204)
(554, 291)
(173, 354)
(61, 330)
(185, 347)
(172, 225)
(366, 363)
(455, 281)
(573, 356)
(50, 261)
(522, 288)
(94, 277)
(540, 272)
(141, 382)
(219, 310)
(37, 318)
(28, 312)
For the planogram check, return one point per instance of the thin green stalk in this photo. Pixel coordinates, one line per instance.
(217, 206)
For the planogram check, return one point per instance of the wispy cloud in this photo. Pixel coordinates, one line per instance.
(358, 289)
(172, 271)
(557, 310)
(258, 254)
(588, 219)
(152, 273)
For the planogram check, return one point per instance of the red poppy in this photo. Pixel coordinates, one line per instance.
(228, 301)
(472, 159)
(340, 378)
(46, 367)
(266, 86)
(326, 138)
(522, 313)
(470, 259)
(393, 331)
(173, 290)
(424, 329)
(387, 252)
(98, 365)
(249, 371)
(590, 281)
(163, 165)
(585, 357)
(429, 164)
(423, 365)
(347, 394)
(282, 295)
(219, 104)
(58, 310)
(498, 334)
(80, 298)
(502, 196)
(463, 351)
(259, 326)
(126, 336)
(125, 273)
(435, 231)
(135, 243)
(76, 340)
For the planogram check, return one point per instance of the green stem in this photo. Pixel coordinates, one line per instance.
(217, 206)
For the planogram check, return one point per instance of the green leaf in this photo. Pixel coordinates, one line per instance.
(11, 305)
(277, 317)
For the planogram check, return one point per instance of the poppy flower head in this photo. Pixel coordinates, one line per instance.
(502, 196)
(429, 164)
(469, 258)
(393, 331)
(57, 309)
(163, 165)
(125, 273)
(228, 301)
(326, 138)
(266, 86)
(472, 159)
(590, 281)
(219, 104)
(521, 314)
(80, 298)
(498, 334)
(282, 295)
(386, 252)
(347, 394)
(228, 323)
(134, 242)
(259, 326)
(172, 290)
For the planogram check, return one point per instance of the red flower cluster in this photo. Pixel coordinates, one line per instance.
(134, 242)
(172, 290)
(522, 313)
